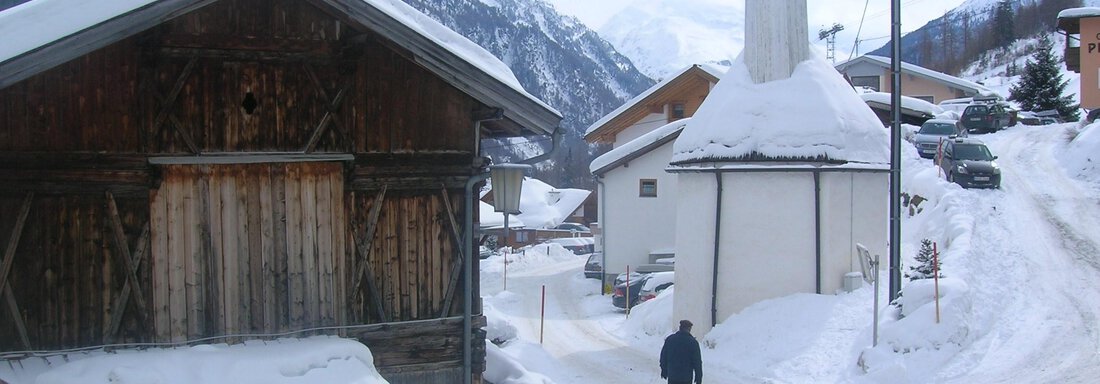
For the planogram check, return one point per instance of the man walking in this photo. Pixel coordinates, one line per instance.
(680, 357)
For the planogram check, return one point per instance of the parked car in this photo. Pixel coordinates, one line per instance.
(985, 118)
(484, 252)
(932, 132)
(622, 291)
(969, 163)
(593, 268)
(575, 227)
(579, 245)
(656, 283)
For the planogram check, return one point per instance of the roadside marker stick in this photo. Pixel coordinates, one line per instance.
(626, 295)
(936, 277)
(542, 314)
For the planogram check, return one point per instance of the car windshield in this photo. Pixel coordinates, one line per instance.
(939, 129)
(972, 152)
(976, 110)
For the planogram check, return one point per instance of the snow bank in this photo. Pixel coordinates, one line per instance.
(1081, 157)
(502, 368)
(741, 118)
(319, 359)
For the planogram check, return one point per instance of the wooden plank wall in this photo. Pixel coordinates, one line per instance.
(411, 256)
(65, 274)
(248, 249)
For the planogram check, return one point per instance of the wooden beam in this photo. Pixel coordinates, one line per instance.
(456, 268)
(13, 240)
(124, 297)
(5, 270)
(178, 126)
(168, 101)
(16, 316)
(364, 251)
(327, 118)
(123, 254)
(329, 108)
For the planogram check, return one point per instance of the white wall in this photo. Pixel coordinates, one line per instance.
(768, 236)
(645, 125)
(634, 226)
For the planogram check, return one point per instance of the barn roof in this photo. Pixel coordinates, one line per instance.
(41, 34)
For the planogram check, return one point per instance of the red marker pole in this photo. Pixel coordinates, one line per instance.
(936, 278)
(506, 270)
(542, 315)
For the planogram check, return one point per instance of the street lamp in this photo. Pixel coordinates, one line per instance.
(507, 182)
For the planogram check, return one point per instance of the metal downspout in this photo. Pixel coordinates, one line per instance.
(717, 240)
(603, 234)
(817, 228)
(554, 145)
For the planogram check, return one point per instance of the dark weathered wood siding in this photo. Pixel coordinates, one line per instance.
(236, 248)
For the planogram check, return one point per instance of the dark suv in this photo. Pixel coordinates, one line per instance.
(984, 118)
(969, 163)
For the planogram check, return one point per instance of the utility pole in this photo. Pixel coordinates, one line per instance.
(829, 35)
(895, 152)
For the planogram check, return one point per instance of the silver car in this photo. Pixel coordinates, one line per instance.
(934, 131)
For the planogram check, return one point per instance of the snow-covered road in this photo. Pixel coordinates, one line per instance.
(1034, 267)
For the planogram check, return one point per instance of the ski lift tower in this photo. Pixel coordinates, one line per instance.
(829, 35)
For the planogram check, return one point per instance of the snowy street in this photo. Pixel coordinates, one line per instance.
(1035, 267)
(1029, 313)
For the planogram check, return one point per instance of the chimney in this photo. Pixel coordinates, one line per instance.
(776, 38)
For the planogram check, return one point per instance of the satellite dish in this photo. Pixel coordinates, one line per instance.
(867, 265)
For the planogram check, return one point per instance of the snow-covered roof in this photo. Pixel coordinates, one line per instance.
(28, 28)
(907, 102)
(637, 147)
(538, 210)
(712, 69)
(489, 218)
(812, 116)
(925, 72)
(1076, 13)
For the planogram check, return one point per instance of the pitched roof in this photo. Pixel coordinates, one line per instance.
(944, 78)
(638, 147)
(631, 110)
(41, 34)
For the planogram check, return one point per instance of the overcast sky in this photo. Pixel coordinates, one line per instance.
(823, 13)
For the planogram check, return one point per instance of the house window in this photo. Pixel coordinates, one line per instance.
(866, 81)
(521, 236)
(677, 111)
(647, 188)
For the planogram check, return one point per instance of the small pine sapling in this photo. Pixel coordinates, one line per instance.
(924, 267)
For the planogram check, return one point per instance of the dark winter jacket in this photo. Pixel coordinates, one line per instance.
(680, 358)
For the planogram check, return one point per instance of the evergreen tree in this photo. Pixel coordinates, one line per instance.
(1004, 28)
(1041, 87)
(924, 259)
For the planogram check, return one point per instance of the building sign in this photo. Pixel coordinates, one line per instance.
(1090, 62)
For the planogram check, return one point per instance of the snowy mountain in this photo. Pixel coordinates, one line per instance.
(555, 58)
(663, 36)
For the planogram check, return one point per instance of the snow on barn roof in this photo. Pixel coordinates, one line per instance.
(714, 70)
(922, 71)
(36, 25)
(637, 147)
(543, 206)
(489, 218)
(812, 116)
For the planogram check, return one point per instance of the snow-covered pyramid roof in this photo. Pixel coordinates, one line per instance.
(543, 206)
(813, 116)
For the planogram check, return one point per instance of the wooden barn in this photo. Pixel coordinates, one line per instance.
(180, 169)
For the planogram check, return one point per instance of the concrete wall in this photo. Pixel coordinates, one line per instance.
(768, 237)
(635, 226)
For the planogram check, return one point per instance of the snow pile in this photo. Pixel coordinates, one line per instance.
(1081, 157)
(502, 368)
(741, 119)
(651, 318)
(319, 359)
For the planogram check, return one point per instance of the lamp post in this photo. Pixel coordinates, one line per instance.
(507, 182)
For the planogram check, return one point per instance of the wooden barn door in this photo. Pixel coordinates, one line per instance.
(247, 248)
